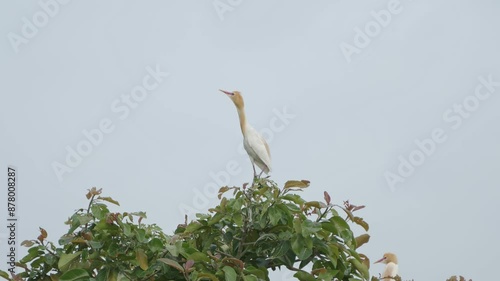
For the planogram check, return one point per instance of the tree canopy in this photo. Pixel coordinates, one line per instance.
(252, 230)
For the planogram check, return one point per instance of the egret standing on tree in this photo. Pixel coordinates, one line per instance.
(391, 268)
(255, 145)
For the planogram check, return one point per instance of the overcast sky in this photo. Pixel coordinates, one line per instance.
(390, 104)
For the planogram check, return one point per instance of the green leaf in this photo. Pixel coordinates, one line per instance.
(140, 214)
(100, 211)
(109, 199)
(193, 226)
(127, 229)
(302, 246)
(238, 218)
(297, 184)
(309, 227)
(361, 223)
(362, 239)
(361, 268)
(328, 275)
(75, 223)
(236, 204)
(142, 259)
(103, 274)
(292, 207)
(122, 277)
(260, 273)
(250, 278)
(172, 263)
(315, 204)
(215, 219)
(267, 236)
(66, 259)
(199, 256)
(297, 225)
(281, 249)
(84, 219)
(141, 235)
(95, 244)
(330, 227)
(4, 275)
(113, 275)
(339, 223)
(27, 243)
(304, 276)
(294, 198)
(274, 215)
(32, 254)
(155, 245)
(172, 249)
(50, 259)
(36, 262)
(75, 274)
(348, 237)
(66, 239)
(205, 275)
(229, 273)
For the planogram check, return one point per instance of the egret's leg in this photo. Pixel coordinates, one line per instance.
(254, 172)
(261, 173)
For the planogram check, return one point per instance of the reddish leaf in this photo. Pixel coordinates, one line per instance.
(357, 208)
(319, 271)
(222, 190)
(233, 262)
(43, 235)
(93, 191)
(327, 198)
(188, 264)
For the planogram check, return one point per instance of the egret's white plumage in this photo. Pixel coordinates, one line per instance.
(254, 144)
(391, 266)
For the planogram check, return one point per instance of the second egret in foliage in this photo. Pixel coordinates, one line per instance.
(391, 268)
(254, 144)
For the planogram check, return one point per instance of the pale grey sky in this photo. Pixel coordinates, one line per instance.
(390, 104)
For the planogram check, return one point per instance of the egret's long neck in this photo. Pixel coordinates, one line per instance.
(243, 118)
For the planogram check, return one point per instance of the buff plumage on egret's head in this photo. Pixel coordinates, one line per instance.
(391, 267)
(254, 144)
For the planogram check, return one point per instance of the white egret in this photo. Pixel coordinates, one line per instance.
(391, 266)
(254, 144)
